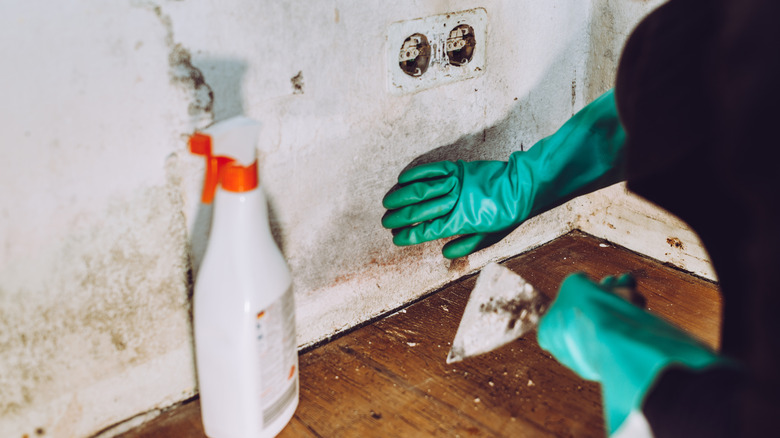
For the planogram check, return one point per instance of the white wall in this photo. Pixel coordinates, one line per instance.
(100, 222)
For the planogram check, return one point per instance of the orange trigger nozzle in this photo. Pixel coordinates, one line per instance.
(222, 170)
(200, 144)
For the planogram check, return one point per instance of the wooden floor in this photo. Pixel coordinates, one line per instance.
(390, 378)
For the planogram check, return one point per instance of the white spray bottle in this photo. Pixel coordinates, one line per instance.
(244, 323)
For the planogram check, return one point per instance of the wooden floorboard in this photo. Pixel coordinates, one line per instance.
(390, 378)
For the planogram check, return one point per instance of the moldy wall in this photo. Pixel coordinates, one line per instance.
(101, 230)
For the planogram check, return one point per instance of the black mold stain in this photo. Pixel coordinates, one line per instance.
(118, 341)
(190, 282)
(297, 83)
(187, 75)
(573, 92)
(109, 263)
(675, 242)
(183, 72)
(520, 309)
(459, 264)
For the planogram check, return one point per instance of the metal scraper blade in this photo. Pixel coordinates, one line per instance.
(502, 307)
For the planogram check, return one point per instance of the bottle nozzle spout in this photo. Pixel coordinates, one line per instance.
(237, 136)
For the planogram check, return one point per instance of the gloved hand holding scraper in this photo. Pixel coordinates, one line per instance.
(503, 307)
(584, 324)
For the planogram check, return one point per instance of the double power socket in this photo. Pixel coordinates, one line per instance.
(436, 50)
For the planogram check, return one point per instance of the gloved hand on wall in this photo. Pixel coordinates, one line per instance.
(483, 201)
(604, 338)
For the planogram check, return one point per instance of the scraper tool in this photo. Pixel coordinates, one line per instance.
(502, 307)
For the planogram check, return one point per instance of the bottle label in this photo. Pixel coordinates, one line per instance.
(278, 357)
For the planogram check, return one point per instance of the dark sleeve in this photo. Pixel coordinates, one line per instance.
(698, 93)
(724, 402)
(685, 403)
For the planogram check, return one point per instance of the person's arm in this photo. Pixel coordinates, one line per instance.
(483, 201)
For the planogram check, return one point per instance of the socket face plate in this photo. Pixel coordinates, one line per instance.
(442, 33)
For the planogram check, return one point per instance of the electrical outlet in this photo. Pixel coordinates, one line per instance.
(436, 50)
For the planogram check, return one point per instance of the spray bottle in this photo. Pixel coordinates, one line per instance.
(244, 323)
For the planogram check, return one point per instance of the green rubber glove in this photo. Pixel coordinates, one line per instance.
(483, 201)
(604, 338)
